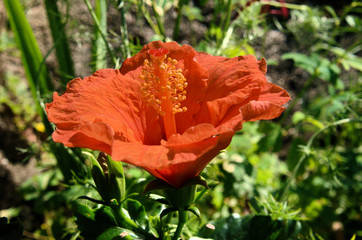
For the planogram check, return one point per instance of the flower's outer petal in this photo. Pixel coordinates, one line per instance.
(94, 111)
(231, 82)
(98, 136)
(195, 74)
(179, 159)
(192, 151)
(138, 154)
(273, 93)
(270, 95)
(234, 83)
(257, 110)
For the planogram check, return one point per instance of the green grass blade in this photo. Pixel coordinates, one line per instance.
(176, 29)
(31, 55)
(69, 161)
(65, 61)
(99, 49)
(33, 61)
(124, 33)
(103, 36)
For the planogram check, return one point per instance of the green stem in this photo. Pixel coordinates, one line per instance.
(65, 62)
(99, 49)
(178, 20)
(147, 16)
(158, 20)
(287, 5)
(227, 19)
(124, 32)
(227, 30)
(182, 219)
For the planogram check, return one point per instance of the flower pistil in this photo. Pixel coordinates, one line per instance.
(164, 87)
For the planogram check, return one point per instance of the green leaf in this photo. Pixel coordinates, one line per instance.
(136, 211)
(193, 13)
(84, 210)
(195, 211)
(99, 48)
(347, 59)
(353, 62)
(98, 224)
(167, 211)
(106, 215)
(99, 177)
(243, 48)
(110, 181)
(254, 204)
(308, 63)
(276, 210)
(298, 117)
(116, 179)
(158, 198)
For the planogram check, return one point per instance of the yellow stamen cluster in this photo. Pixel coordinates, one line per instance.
(164, 85)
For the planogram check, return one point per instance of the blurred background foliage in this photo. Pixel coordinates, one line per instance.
(297, 177)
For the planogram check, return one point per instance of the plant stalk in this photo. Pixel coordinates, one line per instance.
(178, 20)
(159, 21)
(182, 219)
(124, 32)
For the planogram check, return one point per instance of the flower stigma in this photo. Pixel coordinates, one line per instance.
(164, 87)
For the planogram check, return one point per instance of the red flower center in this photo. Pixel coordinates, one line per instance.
(164, 87)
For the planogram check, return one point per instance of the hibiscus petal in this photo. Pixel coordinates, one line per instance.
(234, 83)
(98, 135)
(194, 134)
(180, 158)
(189, 159)
(106, 97)
(138, 154)
(257, 110)
(268, 93)
(275, 94)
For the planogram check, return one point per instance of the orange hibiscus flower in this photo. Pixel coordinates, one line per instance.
(168, 109)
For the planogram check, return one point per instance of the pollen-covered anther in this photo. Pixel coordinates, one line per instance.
(164, 84)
